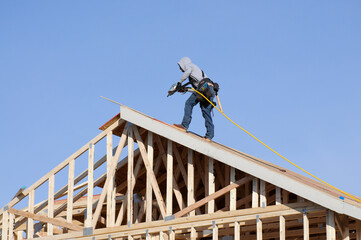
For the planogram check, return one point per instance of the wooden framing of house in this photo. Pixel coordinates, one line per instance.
(176, 185)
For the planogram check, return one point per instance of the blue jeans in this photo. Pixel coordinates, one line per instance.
(206, 108)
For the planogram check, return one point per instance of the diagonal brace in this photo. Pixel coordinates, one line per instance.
(154, 183)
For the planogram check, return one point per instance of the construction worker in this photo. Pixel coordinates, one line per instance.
(195, 76)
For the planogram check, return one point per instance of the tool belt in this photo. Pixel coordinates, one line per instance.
(203, 87)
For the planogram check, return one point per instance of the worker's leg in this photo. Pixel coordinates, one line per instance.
(188, 108)
(207, 115)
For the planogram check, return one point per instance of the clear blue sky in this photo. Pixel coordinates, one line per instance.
(289, 72)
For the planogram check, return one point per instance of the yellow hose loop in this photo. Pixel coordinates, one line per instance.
(277, 152)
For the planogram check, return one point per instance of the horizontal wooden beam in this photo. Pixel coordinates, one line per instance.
(243, 215)
(44, 219)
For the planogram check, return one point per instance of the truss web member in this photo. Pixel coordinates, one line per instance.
(199, 81)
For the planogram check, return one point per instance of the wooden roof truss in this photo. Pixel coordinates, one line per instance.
(164, 190)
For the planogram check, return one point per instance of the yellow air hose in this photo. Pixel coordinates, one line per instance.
(278, 153)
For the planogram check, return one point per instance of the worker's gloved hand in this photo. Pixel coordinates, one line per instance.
(182, 89)
(179, 86)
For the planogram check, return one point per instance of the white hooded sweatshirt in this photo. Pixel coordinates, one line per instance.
(190, 70)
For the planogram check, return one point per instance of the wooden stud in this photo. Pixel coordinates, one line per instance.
(113, 187)
(278, 195)
(306, 226)
(214, 231)
(255, 193)
(109, 210)
(148, 236)
(11, 226)
(171, 234)
(282, 221)
(89, 210)
(193, 233)
(161, 235)
(190, 180)
(176, 190)
(157, 192)
(211, 184)
(262, 195)
(330, 225)
(259, 228)
(233, 192)
(237, 231)
(130, 179)
(69, 208)
(51, 204)
(282, 228)
(285, 196)
(109, 140)
(109, 177)
(358, 229)
(5, 226)
(149, 191)
(206, 181)
(130, 237)
(113, 203)
(227, 175)
(169, 199)
(30, 226)
(20, 235)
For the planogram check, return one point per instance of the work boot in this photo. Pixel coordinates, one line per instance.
(207, 139)
(180, 127)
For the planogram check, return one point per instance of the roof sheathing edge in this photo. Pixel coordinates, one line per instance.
(230, 158)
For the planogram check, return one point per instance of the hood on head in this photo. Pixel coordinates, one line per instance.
(183, 62)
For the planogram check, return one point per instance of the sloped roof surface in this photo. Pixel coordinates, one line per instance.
(293, 182)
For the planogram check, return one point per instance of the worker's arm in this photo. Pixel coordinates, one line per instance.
(186, 74)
